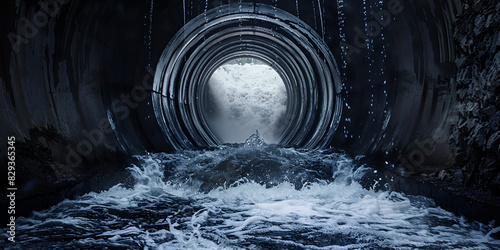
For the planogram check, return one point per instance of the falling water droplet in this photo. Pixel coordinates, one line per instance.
(297, 6)
(315, 18)
(149, 24)
(345, 85)
(184, 10)
(321, 20)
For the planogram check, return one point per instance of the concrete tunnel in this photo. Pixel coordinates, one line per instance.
(411, 85)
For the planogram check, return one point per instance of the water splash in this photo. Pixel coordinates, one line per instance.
(164, 209)
(254, 141)
(246, 96)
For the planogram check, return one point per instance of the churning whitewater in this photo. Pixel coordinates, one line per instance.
(248, 96)
(250, 196)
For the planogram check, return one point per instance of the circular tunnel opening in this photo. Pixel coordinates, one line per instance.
(303, 110)
(244, 95)
(82, 82)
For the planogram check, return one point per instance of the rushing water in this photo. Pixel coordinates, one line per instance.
(246, 97)
(251, 196)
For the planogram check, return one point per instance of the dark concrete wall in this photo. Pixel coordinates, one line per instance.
(53, 63)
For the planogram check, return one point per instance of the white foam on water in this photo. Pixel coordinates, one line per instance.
(386, 219)
(159, 213)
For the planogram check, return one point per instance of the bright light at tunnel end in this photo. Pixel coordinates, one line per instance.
(245, 95)
(272, 36)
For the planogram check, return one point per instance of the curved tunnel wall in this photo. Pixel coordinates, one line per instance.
(78, 85)
(264, 32)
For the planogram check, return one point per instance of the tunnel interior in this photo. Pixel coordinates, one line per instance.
(296, 52)
(86, 83)
(380, 98)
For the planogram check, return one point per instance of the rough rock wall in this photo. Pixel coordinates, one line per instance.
(476, 137)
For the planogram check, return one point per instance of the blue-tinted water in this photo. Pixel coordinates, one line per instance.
(249, 197)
